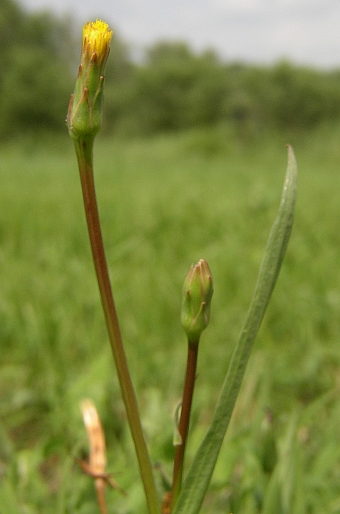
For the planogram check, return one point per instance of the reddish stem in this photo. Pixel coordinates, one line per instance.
(84, 155)
(184, 421)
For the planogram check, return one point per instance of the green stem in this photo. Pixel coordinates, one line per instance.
(85, 162)
(183, 425)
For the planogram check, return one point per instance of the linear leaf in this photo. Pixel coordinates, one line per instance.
(197, 481)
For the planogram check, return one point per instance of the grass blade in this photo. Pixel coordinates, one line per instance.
(199, 475)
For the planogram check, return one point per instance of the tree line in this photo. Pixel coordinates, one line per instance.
(171, 88)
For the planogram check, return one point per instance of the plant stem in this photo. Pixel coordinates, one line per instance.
(100, 488)
(85, 163)
(183, 425)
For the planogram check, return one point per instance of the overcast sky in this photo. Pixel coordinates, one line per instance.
(263, 31)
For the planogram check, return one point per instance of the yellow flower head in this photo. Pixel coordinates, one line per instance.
(85, 107)
(96, 40)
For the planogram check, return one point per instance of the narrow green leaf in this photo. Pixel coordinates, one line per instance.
(199, 475)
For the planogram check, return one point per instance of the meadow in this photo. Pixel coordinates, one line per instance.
(165, 202)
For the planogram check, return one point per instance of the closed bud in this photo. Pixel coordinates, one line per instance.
(197, 294)
(85, 108)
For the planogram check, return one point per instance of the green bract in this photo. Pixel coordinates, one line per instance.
(197, 294)
(85, 109)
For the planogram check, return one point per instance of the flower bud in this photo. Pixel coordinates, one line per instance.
(197, 294)
(85, 108)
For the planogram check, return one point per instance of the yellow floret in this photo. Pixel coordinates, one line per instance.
(96, 38)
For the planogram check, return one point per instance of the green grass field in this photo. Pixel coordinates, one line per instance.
(167, 202)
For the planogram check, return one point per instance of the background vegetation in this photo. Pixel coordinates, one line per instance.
(202, 179)
(168, 89)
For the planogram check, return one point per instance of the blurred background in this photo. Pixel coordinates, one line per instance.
(175, 66)
(200, 101)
